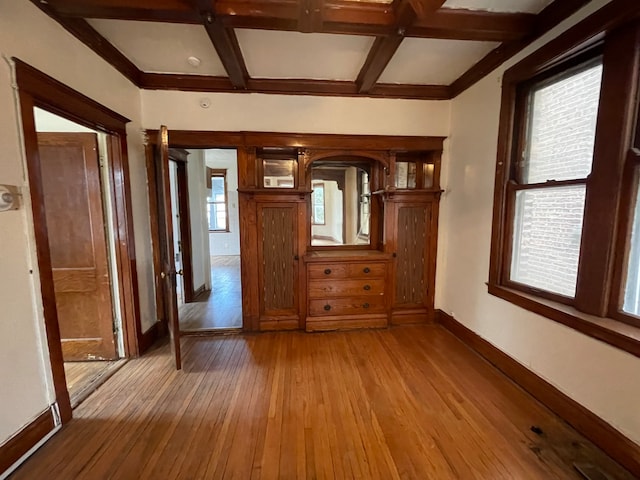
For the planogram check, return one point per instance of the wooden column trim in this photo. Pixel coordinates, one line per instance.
(613, 140)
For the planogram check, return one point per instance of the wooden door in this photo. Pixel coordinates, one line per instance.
(278, 262)
(70, 172)
(167, 258)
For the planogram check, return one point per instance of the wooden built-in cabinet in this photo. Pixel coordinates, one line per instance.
(347, 289)
(380, 272)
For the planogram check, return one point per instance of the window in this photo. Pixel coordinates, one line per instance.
(632, 288)
(548, 196)
(566, 231)
(217, 202)
(317, 204)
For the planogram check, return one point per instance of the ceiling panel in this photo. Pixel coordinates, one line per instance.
(525, 6)
(162, 47)
(433, 62)
(318, 56)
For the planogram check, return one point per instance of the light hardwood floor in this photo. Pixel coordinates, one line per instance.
(83, 378)
(406, 402)
(220, 308)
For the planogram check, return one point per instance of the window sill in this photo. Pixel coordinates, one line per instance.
(618, 334)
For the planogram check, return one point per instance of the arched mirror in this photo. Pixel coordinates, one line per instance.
(341, 203)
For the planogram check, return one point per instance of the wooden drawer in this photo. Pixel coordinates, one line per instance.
(347, 306)
(345, 288)
(346, 270)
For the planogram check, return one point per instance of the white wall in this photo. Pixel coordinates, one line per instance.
(27, 33)
(602, 378)
(226, 243)
(288, 113)
(199, 227)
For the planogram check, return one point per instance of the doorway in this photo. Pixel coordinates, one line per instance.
(38, 90)
(204, 202)
(73, 171)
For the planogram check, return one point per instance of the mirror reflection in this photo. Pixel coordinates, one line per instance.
(340, 203)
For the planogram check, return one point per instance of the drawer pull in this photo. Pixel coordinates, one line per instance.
(327, 307)
(366, 270)
(365, 305)
(327, 271)
(367, 287)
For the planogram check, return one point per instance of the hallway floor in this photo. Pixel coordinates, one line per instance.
(220, 308)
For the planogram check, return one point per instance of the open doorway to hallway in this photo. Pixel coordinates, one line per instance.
(73, 168)
(210, 247)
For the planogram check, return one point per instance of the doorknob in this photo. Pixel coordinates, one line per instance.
(180, 272)
(163, 275)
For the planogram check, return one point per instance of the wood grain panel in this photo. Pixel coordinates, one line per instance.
(346, 322)
(410, 284)
(346, 270)
(76, 234)
(345, 288)
(75, 280)
(279, 226)
(64, 165)
(347, 306)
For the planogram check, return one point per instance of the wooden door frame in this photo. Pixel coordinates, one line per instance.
(179, 156)
(37, 89)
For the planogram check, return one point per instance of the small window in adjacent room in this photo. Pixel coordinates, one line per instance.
(317, 204)
(217, 207)
(548, 192)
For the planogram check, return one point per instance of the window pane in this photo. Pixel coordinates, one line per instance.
(562, 128)
(217, 189)
(217, 214)
(546, 238)
(632, 290)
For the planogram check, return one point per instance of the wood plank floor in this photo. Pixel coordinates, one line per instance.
(83, 378)
(406, 402)
(220, 308)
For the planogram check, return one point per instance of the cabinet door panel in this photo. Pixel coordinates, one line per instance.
(278, 232)
(412, 254)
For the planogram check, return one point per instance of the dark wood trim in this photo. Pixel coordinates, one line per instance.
(380, 54)
(148, 338)
(152, 189)
(199, 290)
(13, 449)
(80, 28)
(614, 443)
(213, 139)
(39, 90)
(184, 214)
(226, 44)
(67, 102)
(326, 88)
(47, 290)
(604, 192)
(336, 16)
(551, 16)
(125, 243)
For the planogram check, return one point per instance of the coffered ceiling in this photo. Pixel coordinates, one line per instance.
(427, 49)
